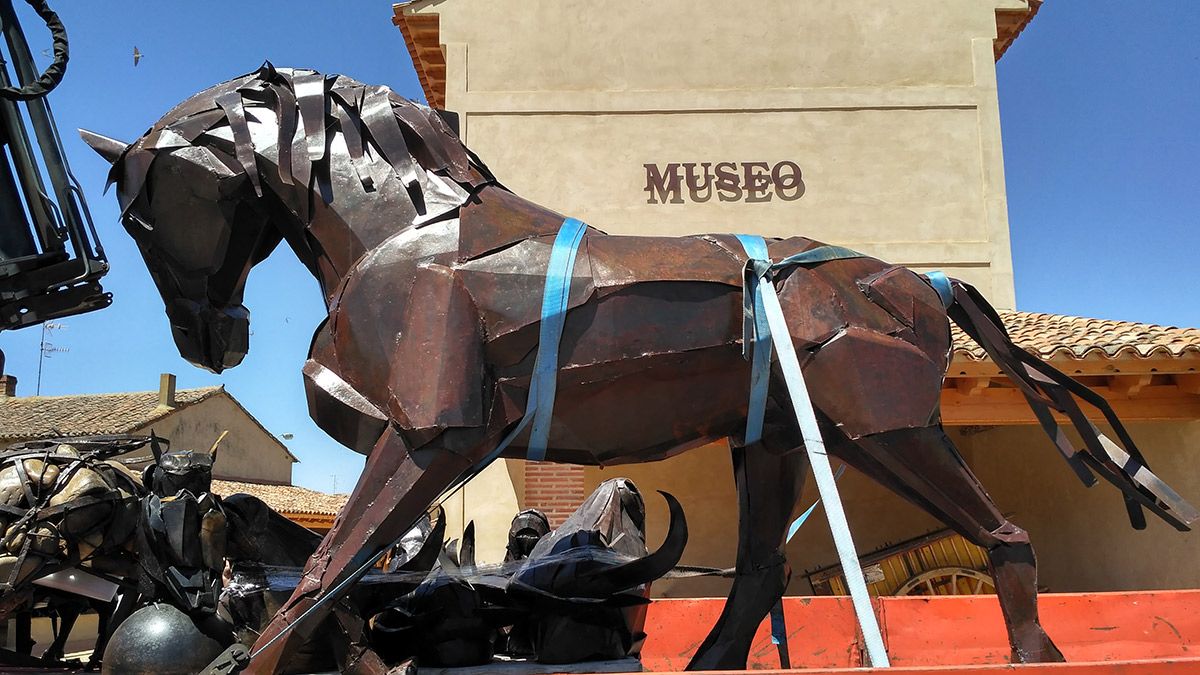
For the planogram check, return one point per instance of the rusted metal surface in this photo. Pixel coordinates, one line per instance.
(432, 272)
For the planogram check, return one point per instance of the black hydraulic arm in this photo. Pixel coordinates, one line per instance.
(50, 257)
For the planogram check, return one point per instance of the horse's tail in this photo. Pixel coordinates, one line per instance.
(1047, 389)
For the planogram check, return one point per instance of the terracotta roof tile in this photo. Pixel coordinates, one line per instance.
(285, 498)
(28, 417)
(1056, 335)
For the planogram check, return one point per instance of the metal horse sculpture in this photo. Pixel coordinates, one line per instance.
(433, 274)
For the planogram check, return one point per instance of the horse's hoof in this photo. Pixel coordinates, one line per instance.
(1037, 648)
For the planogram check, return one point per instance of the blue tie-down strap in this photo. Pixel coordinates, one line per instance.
(555, 300)
(816, 255)
(778, 625)
(539, 408)
(761, 300)
(756, 333)
(756, 337)
(799, 522)
(941, 284)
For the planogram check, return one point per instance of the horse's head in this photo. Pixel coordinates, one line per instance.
(214, 185)
(200, 227)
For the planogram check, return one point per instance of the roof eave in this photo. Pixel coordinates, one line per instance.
(422, 36)
(1095, 362)
(1009, 24)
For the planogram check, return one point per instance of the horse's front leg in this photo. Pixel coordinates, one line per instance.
(769, 477)
(435, 385)
(395, 487)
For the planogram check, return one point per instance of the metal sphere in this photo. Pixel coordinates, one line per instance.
(158, 640)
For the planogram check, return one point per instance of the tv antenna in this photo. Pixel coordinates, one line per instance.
(47, 349)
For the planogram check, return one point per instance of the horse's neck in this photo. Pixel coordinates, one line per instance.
(496, 218)
(337, 235)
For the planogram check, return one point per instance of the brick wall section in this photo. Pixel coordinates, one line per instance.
(554, 489)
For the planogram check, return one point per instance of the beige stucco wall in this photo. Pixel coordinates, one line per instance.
(491, 499)
(1082, 536)
(889, 108)
(248, 453)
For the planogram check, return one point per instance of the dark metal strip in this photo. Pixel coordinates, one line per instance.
(349, 123)
(235, 112)
(380, 120)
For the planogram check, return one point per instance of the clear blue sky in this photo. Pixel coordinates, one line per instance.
(1099, 104)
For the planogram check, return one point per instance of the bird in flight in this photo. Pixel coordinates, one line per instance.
(137, 56)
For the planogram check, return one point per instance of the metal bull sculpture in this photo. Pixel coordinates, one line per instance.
(434, 274)
(579, 595)
(586, 583)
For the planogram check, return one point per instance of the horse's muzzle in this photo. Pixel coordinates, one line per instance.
(214, 338)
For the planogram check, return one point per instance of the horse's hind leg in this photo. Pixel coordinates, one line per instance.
(769, 476)
(924, 466)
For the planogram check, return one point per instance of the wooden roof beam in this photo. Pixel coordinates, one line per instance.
(1007, 406)
(1188, 383)
(1129, 385)
(1091, 365)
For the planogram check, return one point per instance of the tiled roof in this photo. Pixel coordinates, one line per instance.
(1055, 335)
(29, 417)
(285, 498)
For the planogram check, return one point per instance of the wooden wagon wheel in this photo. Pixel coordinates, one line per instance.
(948, 581)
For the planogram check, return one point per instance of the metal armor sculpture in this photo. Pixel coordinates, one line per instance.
(434, 273)
(68, 515)
(80, 530)
(182, 538)
(527, 529)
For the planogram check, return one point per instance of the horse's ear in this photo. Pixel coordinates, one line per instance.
(109, 148)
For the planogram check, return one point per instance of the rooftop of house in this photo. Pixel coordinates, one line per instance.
(33, 417)
(24, 418)
(1057, 336)
(286, 499)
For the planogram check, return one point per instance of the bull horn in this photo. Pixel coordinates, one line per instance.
(424, 559)
(466, 549)
(647, 568)
(109, 148)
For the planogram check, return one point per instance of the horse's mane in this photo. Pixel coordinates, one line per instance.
(406, 135)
